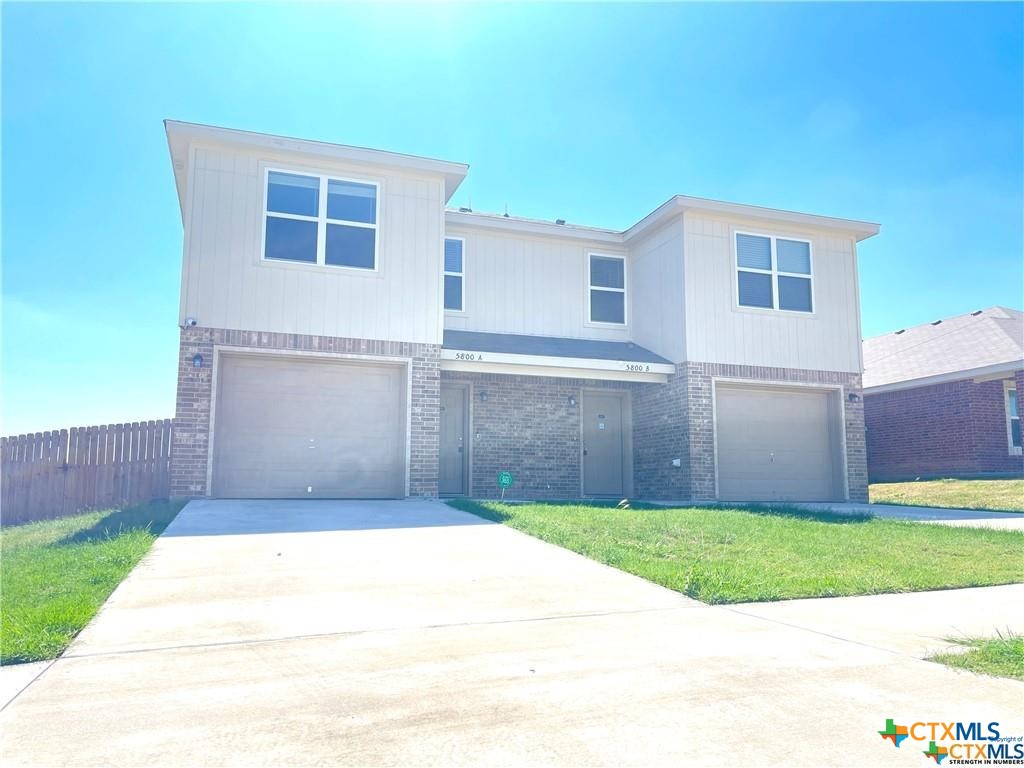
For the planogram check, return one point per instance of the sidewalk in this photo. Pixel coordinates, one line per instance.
(917, 624)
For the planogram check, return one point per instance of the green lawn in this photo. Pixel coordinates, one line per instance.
(998, 495)
(1000, 656)
(721, 555)
(55, 574)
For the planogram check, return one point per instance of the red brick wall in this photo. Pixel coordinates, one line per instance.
(955, 428)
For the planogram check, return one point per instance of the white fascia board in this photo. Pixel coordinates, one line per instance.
(472, 360)
(533, 227)
(557, 372)
(181, 134)
(859, 229)
(926, 381)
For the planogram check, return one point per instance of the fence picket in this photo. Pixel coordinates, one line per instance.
(62, 472)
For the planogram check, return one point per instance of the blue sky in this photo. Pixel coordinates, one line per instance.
(908, 115)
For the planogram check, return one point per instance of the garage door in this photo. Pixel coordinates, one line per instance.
(777, 444)
(301, 427)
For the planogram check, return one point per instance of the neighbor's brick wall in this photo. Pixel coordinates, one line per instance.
(954, 428)
(192, 415)
(701, 426)
(528, 427)
(988, 416)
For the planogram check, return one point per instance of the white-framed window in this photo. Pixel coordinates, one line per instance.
(320, 219)
(454, 274)
(606, 290)
(1013, 437)
(774, 273)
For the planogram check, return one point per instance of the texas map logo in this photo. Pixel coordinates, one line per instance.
(897, 733)
(938, 754)
(894, 733)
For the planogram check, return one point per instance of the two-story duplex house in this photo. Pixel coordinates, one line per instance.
(344, 334)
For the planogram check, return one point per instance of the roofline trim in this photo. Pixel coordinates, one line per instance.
(1010, 366)
(496, 221)
(674, 206)
(681, 203)
(558, 372)
(456, 354)
(453, 172)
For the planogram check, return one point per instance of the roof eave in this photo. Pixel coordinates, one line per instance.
(1009, 366)
(181, 134)
(533, 227)
(861, 230)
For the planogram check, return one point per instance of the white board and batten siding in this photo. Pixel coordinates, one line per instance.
(227, 284)
(656, 268)
(720, 331)
(531, 284)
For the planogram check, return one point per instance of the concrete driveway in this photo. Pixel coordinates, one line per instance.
(407, 633)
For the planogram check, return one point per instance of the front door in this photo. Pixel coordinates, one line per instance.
(452, 481)
(603, 445)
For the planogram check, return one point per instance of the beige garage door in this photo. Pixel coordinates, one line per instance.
(777, 444)
(307, 428)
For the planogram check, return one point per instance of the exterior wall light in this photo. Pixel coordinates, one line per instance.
(572, 400)
(853, 397)
(483, 397)
(197, 361)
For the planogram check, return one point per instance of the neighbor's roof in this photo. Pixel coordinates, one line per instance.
(550, 346)
(988, 341)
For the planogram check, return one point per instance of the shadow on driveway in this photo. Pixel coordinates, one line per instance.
(233, 517)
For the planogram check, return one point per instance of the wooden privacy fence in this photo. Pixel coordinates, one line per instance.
(50, 474)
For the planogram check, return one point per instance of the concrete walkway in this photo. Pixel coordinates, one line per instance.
(14, 678)
(918, 624)
(970, 518)
(407, 633)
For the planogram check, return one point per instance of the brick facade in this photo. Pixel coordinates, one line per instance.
(676, 421)
(190, 453)
(526, 425)
(950, 429)
(700, 375)
(660, 435)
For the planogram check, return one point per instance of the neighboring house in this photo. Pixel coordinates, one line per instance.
(343, 334)
(943, 399)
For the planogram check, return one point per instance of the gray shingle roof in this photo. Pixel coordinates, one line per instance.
(989, 337)
(549, 346)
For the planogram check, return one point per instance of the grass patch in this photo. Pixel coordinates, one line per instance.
(55, 574)
(994, 495)
(1001, 656)
(721, 555)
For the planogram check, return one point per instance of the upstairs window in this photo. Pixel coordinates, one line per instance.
(454, 274)
(320, 220)
(1012, 418)
(773, 273)
(607, 289)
